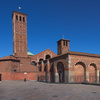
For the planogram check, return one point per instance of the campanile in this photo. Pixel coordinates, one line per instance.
(63, 46)
(19, 21)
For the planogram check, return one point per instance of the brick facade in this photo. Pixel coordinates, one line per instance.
(66, 67)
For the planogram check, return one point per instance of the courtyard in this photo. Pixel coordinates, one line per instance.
(33, 90)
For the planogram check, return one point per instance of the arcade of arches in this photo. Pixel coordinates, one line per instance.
(81, 73)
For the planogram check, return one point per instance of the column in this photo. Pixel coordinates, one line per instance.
(42, 66)
(56, 73)
(48, 71)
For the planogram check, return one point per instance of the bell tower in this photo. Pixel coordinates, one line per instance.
(19, 21)
(62, 46)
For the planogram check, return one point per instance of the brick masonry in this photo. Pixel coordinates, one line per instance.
(66, 67)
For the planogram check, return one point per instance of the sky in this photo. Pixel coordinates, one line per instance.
(49, 20)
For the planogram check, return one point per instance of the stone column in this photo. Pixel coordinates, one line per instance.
(42, 66)
(69, 72)
(66, 70)
(56, 73)
(48, 70)
(98, 76)
(87, 76)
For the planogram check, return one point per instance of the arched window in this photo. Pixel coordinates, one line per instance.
(34, 63)
(20, 18)
(23, 19)
(16, 17)
(47, 56)
(41, 59)
(15, 68)
(64, 42)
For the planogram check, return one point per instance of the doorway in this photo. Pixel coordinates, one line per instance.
(60, 75)
(60, 69)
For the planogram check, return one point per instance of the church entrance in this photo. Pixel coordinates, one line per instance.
(0, 77)
(60, 75)
(60, 69)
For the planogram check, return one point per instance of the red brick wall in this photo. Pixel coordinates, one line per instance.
(42, 55)
(21, 75)
(19, 35)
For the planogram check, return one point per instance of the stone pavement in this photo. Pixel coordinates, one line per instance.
(33, 90)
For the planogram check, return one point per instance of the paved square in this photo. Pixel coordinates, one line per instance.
(32, 90)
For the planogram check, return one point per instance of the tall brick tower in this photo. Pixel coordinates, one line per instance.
(19, 21)
(62, 46)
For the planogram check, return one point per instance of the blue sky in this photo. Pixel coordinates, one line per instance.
(49, 20)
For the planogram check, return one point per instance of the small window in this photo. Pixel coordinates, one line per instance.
(20, 18)
(21, 37)
(66, 43)
(16, 17)
(23, 19)
(34, 63)
(15, 70)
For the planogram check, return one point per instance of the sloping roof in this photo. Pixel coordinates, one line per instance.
(78, 53)
(83, 54)
(9, 58)
(29, 54)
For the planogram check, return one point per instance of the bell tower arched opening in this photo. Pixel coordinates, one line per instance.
(47, 56)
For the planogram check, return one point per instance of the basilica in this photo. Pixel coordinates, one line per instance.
(64, 67)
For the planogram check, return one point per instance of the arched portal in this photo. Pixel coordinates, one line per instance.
(80, 72)
(47, 56)
(60, 69)
(92, 73)
(52, 74)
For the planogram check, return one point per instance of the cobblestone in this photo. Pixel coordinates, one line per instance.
(33, 90)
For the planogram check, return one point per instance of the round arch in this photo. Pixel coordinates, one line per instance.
(60, 70)
(47, 56)
(92, 73)
(80, 72)
(41, 59)
(34, 62)
(15, 68)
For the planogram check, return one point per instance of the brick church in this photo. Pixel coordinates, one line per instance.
(65, 66)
